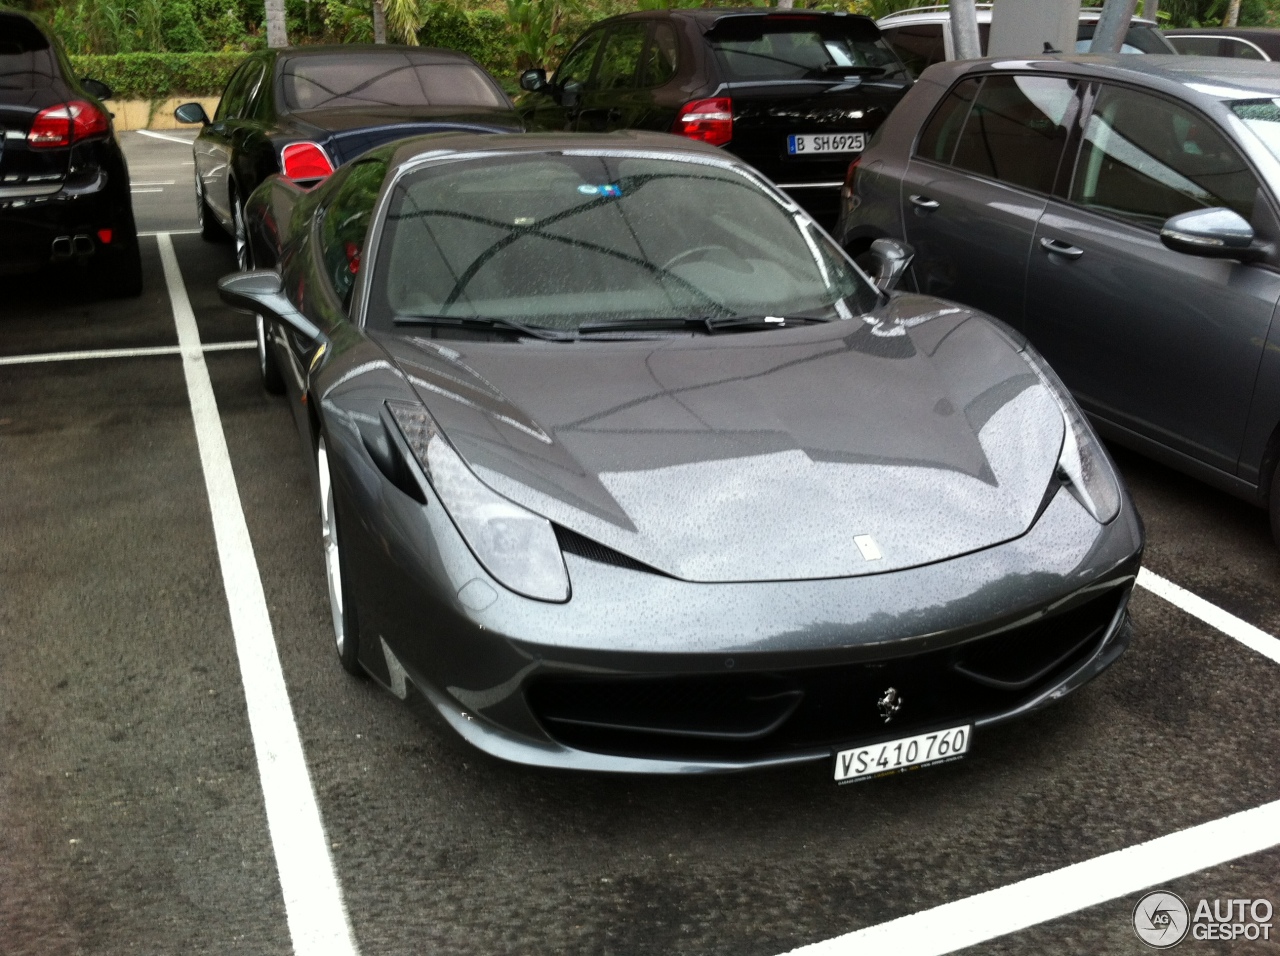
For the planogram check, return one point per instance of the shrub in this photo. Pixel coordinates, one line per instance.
(153, 75)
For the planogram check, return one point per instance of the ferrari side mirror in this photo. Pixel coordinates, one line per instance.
(261, 292)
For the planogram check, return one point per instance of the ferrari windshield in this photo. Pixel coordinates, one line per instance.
(560, 240)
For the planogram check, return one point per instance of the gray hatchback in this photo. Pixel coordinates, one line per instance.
(1123, 213)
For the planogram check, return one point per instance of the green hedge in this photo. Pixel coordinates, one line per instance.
(147, 76)
(483, 35)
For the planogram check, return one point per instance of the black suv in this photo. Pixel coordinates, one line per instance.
(797, 94)
(64, 186)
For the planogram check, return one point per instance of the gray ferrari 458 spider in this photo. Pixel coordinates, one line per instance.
(623, 464)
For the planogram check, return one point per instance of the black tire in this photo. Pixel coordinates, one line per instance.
(268, 364)
(346, 617)
(210, 230)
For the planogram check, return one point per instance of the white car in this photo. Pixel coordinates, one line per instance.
(921, 36)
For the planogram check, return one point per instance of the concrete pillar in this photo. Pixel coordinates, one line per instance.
(1112, 26)
(1023, 27)
(964, 30)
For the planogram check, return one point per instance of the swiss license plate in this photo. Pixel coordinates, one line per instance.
(804, 144)
(905, 753)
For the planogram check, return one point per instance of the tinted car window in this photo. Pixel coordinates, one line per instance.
(560, 240)
(1146, 159)
(1216, 46)
(765, 48)
(620, 61)
(662, 58)
(346, 220)
(919, 46)
(235, 96)
(346, 80)
(1016, 130)
(1140, 39)
(577, 64)
(27, 60)
(938, 141)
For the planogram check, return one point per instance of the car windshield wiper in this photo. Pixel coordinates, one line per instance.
(488, 322)
(699, 323)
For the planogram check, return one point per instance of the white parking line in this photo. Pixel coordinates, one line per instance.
(135, 189)
(169, 232)
(318, 922)
(39, 357)
(154, 135)
(1251, 637)
(976, 919)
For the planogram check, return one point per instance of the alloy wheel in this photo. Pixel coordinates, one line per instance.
(332, 556)
(244, 255)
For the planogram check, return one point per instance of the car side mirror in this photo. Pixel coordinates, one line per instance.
(570, 94)
(886, 262)
(534, 81)
(96, 88)
(1215, 233)
(191, 113)
(261, 292)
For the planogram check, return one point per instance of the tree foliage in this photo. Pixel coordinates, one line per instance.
(504, 35)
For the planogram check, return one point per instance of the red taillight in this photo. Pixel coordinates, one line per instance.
(305, 161)
(65, 124)
(104, 236)
(710, 121)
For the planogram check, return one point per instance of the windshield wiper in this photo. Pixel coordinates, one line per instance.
(487, 322)
(699, 323)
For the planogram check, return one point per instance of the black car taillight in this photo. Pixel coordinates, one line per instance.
(710, 121)
(65, 124)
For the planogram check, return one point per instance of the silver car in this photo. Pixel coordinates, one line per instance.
(921, 36)
(1122, 212)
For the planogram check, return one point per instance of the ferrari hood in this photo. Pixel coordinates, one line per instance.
(882, 442)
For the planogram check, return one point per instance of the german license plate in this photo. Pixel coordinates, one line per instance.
(906, 753)
(804, 144)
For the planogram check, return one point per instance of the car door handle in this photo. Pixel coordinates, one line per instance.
(1060, 248)
(924, 202)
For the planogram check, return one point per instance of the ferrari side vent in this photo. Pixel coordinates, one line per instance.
(575, 543)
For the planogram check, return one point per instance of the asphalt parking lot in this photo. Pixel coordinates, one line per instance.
(136, 783)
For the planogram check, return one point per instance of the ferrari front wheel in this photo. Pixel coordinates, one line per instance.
(346, 627)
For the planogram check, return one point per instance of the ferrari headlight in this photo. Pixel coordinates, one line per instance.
(1084, 464)
(516, 546)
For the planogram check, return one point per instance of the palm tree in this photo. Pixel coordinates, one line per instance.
(401, 16)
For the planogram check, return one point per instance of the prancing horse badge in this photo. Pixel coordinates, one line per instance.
(889, 704)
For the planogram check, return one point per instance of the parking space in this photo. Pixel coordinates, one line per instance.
(133, 799)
